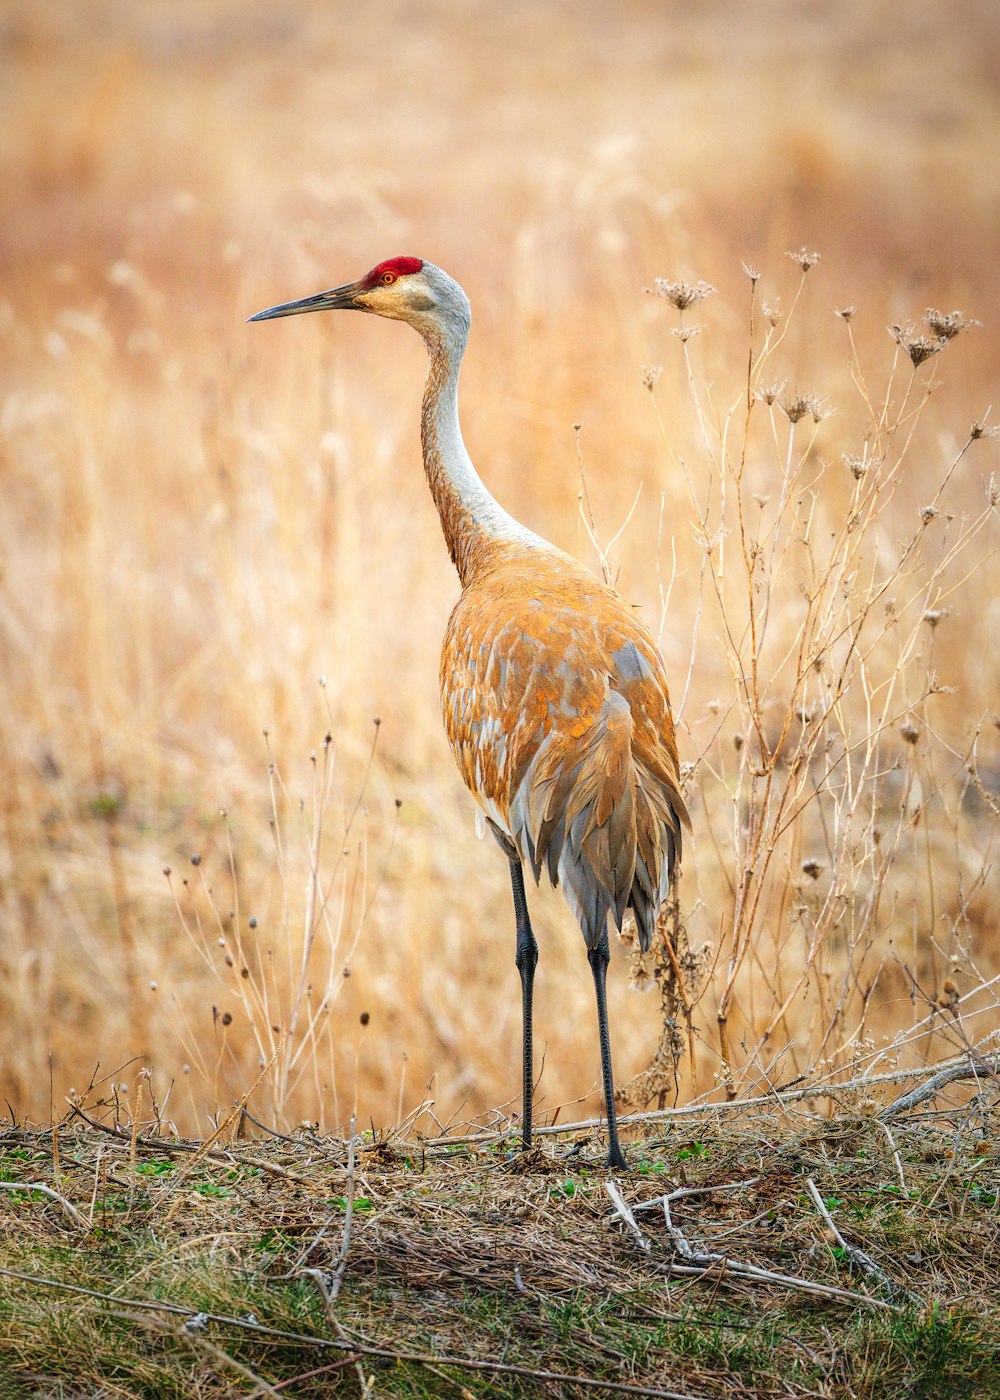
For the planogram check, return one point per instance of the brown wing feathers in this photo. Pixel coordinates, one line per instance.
(600, 825)
(574, 764)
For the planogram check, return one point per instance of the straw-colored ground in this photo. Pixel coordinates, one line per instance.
(203, 519)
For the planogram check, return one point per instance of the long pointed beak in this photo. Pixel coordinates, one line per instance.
(338, 299)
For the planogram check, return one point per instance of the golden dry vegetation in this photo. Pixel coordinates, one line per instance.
(218, 549)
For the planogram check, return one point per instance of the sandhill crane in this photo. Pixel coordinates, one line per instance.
(554, 695)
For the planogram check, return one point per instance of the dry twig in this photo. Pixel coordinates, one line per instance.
(69, 1209)
(858, 1256)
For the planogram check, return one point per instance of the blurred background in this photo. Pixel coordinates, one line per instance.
(217, 546)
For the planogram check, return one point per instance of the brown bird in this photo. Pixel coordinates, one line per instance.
(554, 694)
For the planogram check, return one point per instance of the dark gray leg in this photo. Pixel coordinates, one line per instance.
(599, 958)
(525, 957)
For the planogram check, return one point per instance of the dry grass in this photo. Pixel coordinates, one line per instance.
(202, 519)
(801, 1256)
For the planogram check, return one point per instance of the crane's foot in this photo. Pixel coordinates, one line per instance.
(616, 1159)
(526, 1158)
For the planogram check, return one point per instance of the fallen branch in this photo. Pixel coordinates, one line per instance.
(958, 1068)
(701, 1262)
(964, 1068)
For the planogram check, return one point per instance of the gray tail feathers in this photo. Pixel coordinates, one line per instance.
(591, 813)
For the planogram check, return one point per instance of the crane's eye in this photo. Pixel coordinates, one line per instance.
(388, 278)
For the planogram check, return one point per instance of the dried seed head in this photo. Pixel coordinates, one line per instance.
(682, 294)
(945, 325)
(934, 615)
(650, 376)
(751, 272)
(918, 347)
(796, 406)
(772, 313)
(684, 333)
(909, 731)
(949, 998)
(982, 430)
(857, 466)
(803, 258)
(768, 393)
(227, 1018)
(927, 513)
(738, 742)
(642, 978)
(846, 313)
(812, 867)
(628, 933)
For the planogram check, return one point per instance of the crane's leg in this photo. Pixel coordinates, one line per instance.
(526, 958)
(599, 958)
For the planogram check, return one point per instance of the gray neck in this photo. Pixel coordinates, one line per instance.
(470, 517)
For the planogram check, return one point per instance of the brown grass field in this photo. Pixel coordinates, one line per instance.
(241, 893)
(224, 585)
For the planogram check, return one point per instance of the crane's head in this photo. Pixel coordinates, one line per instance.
(404, 289)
